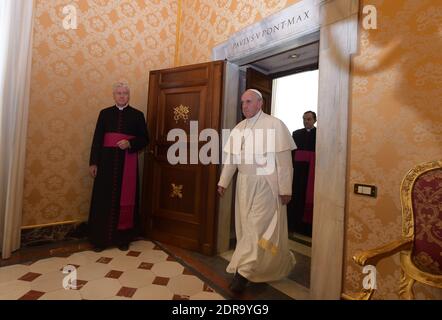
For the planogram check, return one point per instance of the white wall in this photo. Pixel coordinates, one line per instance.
(293, 95)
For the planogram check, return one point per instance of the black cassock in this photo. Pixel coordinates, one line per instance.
(295, 210)
(105, 204)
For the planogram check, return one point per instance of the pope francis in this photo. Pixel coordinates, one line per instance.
(259, 147)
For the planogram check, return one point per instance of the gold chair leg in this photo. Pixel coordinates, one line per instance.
(364, 295)
(406, 287)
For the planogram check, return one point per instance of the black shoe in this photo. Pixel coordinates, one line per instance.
(98, 249)
(124, 247)
(239, 283)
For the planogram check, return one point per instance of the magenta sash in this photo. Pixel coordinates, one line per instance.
(129, 182)
(308, 156)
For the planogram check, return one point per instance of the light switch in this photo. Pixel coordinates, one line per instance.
(365, 190)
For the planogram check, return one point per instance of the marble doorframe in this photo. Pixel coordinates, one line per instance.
(336, 29)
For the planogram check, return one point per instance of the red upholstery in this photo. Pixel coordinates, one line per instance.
(427, 211)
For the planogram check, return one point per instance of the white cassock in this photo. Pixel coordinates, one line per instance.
(261, 252)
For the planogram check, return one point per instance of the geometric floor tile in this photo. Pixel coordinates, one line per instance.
(100, 289)
(136, 278)
(179, 297)
(153, 292)
(114, 274)
(143, 272)
(94, 271)
(161, 281)
(142, 246)
(32, 295)
(126, 292)
(185, 285)
(188, 272)
(145, 265)
(12, 272)
(104, 260)
(30, 276)
(153, 256)
(13, 290)
(48, 282)
(124, 263)
(62, 294)
(78, 285)
(167, 269)
(133, 253)
(48, 265)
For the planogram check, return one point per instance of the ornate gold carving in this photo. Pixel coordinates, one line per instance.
(410, 272)
(434, 280)
(372, 257)
(406, 194)
(406, 287)
(177, 191)
(366, 294)
(181, 112)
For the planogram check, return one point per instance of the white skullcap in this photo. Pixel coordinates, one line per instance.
(257, 92)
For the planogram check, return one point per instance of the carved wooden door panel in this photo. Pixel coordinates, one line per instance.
(179, 201)
(263, 83)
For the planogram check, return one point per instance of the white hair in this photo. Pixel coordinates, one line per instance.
(259, 94)
(120, 85)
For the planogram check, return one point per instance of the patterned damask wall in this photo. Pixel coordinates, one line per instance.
(396, 118)
(207, 23)
(395, 105)
(396, 123)
(72, 75)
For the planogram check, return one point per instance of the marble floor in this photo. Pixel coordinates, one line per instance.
(213, 270)
(147, 271)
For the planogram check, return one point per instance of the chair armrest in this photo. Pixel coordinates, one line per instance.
(364, 295)
(372, 257)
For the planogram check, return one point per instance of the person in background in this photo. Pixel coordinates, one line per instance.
(300, 209)
(120, 133)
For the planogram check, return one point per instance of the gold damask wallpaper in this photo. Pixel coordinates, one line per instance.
(72, 76)
(207, 23)
(396, 118)
(396, 123)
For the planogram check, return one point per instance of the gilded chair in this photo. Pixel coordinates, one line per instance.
(420, 247)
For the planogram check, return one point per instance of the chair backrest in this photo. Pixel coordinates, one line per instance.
(421, 194)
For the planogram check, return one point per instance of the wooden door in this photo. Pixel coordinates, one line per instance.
(179, 201)
(263, 83)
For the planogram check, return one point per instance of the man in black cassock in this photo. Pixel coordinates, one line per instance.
(300, 209)
(120, 133)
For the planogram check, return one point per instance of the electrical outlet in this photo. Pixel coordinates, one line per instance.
(365, 190)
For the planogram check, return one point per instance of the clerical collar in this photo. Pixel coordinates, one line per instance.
(121, 108)
(308, 130)
(254, 118)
